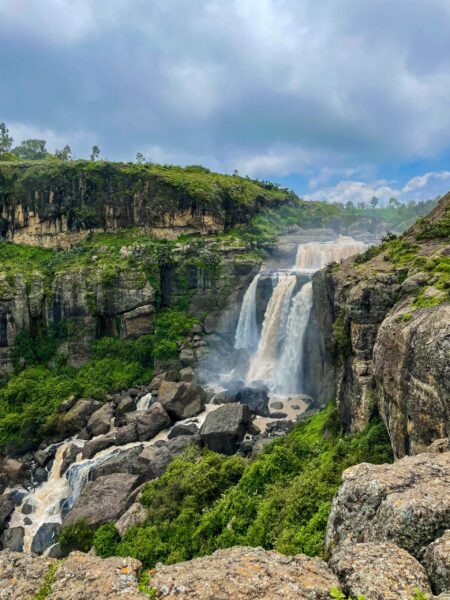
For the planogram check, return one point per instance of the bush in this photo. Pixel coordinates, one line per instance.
(106, 539)
(78, 536)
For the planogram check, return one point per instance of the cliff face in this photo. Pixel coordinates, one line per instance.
(386, 323)
(58, 204)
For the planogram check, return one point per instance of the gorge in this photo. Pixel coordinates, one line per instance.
(210, 361)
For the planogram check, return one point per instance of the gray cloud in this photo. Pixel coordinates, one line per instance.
(271, 87)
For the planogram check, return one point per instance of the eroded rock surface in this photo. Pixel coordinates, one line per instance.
(407, 503)
(379, 571)
(242, 573)
(21, 575)
(436, 559)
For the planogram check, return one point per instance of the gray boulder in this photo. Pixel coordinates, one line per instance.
(183, 429)
(257, 399)
(135, 515)
(225, 428)
(116, 437)
(69, 456)
(119, 461)
(181, 400)
(76, 418)
(45, 537)
(12, 539)
(100, 421)
(153, 461)
(150, 422)
(102, 500)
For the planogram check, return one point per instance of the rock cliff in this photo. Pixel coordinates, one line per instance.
(386, 343)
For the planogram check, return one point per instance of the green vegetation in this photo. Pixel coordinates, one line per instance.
(46, 588)
(30, 398)
(281, 500)
(78, 536)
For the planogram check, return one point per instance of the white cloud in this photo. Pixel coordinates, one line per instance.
(422, 187)
(55, 140)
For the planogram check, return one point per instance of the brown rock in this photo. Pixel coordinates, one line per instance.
(242, 573)
(379, 572)
(436, 559)
(181, 400)
(21, 575)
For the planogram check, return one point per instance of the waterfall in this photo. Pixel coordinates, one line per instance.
(247, 328)
(144, 403)
(273, 330)
(317, 255)
(288, 376)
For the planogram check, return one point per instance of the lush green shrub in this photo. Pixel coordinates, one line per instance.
(281, 500)
(98, 377)
(106, 539)
(78, 536)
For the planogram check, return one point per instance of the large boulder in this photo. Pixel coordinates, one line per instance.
(89, 577)
(153, 461)
(224, 428)
(100, 421)
(181, 400)
(77, 417)
(257, 399)
(436, 559)
(379, 572)
(241, 573)
(45, 537)
(121, 460)
(102, 500)
(135, 515)
(407, 503)
(117, 437)
(149, 422)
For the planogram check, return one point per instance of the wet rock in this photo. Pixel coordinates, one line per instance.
(45, 455)
(135, 515)
(27, 521)
(40, 475)
(102, 500)
(22, 575)
(187, 357)
(69, 456)
(276, 405)
(45, 537)
(55, 551)
(279, 426)
(100, 421)
(257, 399)
(183, 429)
(241, 573)
(153, 461)
(116, 437)
(12, 539)
(17, 496)
(118, 461)
(407, 503)
(259, 445)
(224, 429)
(379, 571)
(278, 415)
(6, 508)
(436, 559)
(181, 400)
(27, 508)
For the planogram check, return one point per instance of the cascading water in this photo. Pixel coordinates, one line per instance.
(247, 329)
(290, 363)
(317, 255)
(273, 330)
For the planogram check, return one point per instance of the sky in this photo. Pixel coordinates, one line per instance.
(337, 99)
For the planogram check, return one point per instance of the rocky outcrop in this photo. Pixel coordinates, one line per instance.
(241, 573)
(384, 343)
(406, 503)
(436, 559)
(102, 500)
(181, 400)
(379, 572)
(22, 575)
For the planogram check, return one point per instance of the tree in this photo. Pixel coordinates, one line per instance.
(361, 205)
(31, 150)
(95, 152)
(374, 202)
(394, 203)
(140, 158)
(5, 139)
(64, 154)
(349, 205)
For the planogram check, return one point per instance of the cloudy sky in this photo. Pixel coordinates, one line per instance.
(338, 99)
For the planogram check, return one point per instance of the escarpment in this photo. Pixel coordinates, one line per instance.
(386, 322)
(59, 203)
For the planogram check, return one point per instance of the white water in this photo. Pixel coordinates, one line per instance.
(290, 363)
(263, 362)
(317, 255)
(144, 402)
(247, 329)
